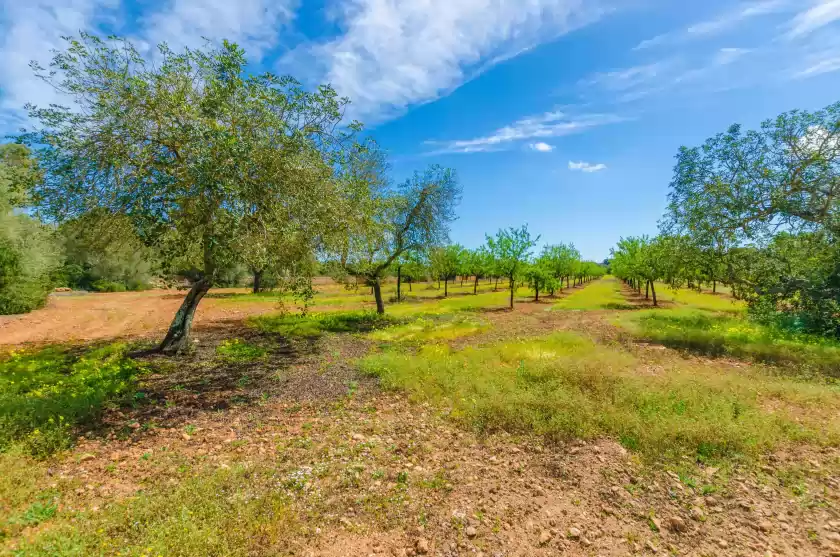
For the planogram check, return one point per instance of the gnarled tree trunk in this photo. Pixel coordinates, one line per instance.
(178, 336)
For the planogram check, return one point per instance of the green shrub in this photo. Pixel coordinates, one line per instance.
(108, 286)
(46, 394)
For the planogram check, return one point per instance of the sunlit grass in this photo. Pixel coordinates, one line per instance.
(237, 350)
(316, 324)
(564, 386)
(700, 300)
(600, 294)
(431, 330)
(720, 335)
(46, 394)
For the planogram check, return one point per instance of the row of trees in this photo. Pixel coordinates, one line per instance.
(506, 255)
(760, 211)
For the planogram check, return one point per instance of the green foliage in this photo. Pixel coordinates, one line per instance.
(316, 324)
(28, 254)
(239, 351)
(445, 262)
(564, 386)
(103, 253)
(719, 335)
(46, 394)
(742, 187)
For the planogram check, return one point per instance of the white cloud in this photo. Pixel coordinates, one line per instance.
(30, 31)
(542, 147)
(587, 167)
(630, 78)
(253, 24)
(720, 24)
(549, 124)
(396, 53)
(822, 13)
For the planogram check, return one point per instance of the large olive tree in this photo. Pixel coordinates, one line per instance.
(195, 150)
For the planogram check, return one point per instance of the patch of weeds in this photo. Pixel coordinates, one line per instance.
(46, 395)
(565, 386)
(438, 482)
(239, 351)
(41, 510)
(429, 329)
(316, 324)
(189, 429)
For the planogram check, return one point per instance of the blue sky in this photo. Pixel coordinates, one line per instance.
(563, 114)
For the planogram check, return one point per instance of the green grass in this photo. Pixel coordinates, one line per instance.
(700, 300)
(237, 512)
(564, 386)
(45, 395)
(316, 324)
(724, 335)
(238, 351)
(425, 329)
(600, 294)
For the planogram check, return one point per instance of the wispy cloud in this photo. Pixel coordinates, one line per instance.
(399, 53)
(720, 24)
(541, 147)
(639, 82)
(255, 25)
(549, 124)
(587, 167)
(819, 15)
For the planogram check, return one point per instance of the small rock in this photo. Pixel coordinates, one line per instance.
(765, 526)
(723, 544)
(697, 514)
(85, 457)
(545, 537)
(358, 437)
(652, 548)
(677, 524)
(657, 523)
(422, 546)
(574, 533)
(471, 532)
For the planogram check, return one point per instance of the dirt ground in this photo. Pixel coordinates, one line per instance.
(397, 478)
(85, 317)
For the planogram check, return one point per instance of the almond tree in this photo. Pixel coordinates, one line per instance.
(511, 249)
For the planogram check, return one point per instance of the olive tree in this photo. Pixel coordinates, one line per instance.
(392, 221)
(192, 148)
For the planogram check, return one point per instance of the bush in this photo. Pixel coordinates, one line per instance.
(107, 286)
(28, 258)
(45, 395)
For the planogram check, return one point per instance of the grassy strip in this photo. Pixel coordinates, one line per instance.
(700, 300)
(316, 324)
(430, 330)
(722, 335)
(45, 395)
(564, 386)
(601, 294)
